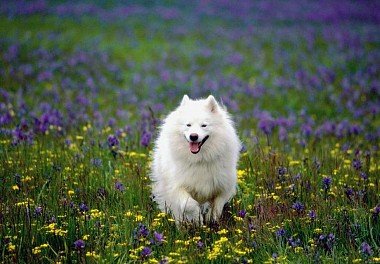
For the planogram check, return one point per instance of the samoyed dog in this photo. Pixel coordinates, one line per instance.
(194, 161)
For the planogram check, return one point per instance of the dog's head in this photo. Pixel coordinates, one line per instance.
(198, 119)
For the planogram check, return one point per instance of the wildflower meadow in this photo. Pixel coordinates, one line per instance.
(84, 86)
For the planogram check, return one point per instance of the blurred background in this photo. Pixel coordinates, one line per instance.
(308, 66)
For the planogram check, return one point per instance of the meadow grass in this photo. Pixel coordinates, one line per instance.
(81, 100)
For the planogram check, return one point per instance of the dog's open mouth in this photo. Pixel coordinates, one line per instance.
(195, 147)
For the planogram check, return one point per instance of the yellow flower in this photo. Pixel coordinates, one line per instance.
(11, 247)
(214, 253)
(128, 213)
(122, 152)
(15, 188)
(92, 254)
(223, 231)
(298, 249)
(139, 218)
(240, 173)
(221, 240)
(240, 252)
(95, 213)
(294, 162)
(26, 179)
(70, 192)
(36, 250)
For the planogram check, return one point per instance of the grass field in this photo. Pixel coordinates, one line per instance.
(83, 88)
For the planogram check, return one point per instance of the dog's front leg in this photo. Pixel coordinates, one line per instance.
(188, 209)
(218, 206)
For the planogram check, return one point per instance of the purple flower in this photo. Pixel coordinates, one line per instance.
(312, 214)
(79, 244)
(146, 252)
(281, 171)
(364, 176)
(83, 207)
(294, 242)
(200, 244)
(38, 211)
(145, 138)
(376, 212)
(112, 122)
(235, 59)
(306, 130)
(141, 231)
(242, 213)
(5, 119)
(282, 134)
(45, 76)
(119, 186)
(298, 207)
(280, 232)
(96, 162)
(112, 141)
(158, 238)
(326, 183)
(331, 237)
(357, 164)
(67, 142)
(366, 249)
(348, 191)
(326, 241)
(22, 133)
(266, 125)
(297, 176)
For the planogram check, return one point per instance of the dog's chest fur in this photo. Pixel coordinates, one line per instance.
(204, 183)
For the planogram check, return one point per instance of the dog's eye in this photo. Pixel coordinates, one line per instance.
(189, 125)
(203, 125)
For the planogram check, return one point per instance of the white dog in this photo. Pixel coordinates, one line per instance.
(194, 161)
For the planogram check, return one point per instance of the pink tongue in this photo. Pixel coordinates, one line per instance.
(194, 147)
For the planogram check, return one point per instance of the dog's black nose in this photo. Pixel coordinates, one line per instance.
(193, 137)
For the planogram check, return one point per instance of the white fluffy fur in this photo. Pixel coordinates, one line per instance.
(195, 186)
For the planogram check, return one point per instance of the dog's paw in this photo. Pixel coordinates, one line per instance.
(205, 208)
(191, 211)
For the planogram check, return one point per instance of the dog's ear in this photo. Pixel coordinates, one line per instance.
(185, 100)
(212, 104)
